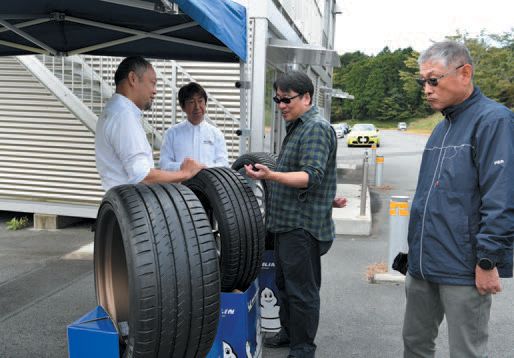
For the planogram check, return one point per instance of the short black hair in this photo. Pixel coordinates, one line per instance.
(137, 64)
(295, 81)
(188, 91)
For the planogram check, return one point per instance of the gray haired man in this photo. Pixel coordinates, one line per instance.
(462, 219)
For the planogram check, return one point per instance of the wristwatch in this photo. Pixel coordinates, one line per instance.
(486, 264)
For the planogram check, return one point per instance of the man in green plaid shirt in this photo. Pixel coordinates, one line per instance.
(299, 211)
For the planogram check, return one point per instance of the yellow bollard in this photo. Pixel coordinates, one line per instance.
(379, 167)
(398, 227)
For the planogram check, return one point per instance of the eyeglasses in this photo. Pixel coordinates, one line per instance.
(285, 100)
(434, 81)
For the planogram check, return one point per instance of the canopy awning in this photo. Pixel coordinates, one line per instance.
(192, 30)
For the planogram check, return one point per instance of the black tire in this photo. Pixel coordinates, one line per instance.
(235, 215)
(156, 270)
(259, 187)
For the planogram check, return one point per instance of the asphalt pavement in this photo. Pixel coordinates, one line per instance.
(41, 292)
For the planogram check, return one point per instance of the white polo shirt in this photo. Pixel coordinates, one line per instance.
(123, 154)
(203, 142)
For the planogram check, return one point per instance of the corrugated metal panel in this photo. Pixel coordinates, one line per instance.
(217, 78)
(47, 155)
(321, 97)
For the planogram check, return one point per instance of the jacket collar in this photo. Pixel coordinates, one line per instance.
(452, 112)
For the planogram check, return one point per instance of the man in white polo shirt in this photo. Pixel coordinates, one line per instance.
(123, 154)
(195, 138)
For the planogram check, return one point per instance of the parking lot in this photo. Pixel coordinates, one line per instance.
(41, 292)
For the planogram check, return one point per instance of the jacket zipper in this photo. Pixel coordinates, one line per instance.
(428, 197)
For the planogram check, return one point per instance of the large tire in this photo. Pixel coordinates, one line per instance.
(156, 270)
(237, 222)
(259, 187)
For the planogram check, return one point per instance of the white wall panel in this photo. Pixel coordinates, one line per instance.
(46, 154)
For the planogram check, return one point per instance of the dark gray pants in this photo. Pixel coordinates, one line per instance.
(467, 315)
(298, 279)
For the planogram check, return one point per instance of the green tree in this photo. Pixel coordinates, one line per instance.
(346, 78)
(385, 89)
(414, 99)
(376, 85)
(493, 57)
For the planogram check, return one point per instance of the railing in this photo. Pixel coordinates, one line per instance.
(91, 79)
(80, 78)
(173, 77)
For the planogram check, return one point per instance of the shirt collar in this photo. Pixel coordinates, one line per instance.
(311, 112)
(131, 105)
(201, 124)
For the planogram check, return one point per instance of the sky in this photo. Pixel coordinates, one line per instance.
(370, 25)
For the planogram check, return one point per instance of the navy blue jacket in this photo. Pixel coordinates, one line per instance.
(463, 209)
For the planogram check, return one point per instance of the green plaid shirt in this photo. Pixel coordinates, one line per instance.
(310, 145)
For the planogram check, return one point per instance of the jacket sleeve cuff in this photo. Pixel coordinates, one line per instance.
(494, 248)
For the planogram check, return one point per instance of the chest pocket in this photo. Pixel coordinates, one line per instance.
(457, 170)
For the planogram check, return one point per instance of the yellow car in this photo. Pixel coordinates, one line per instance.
(363, 135)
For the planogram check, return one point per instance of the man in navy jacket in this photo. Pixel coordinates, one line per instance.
(461, 228)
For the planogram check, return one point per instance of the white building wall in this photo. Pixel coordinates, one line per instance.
(46, 153)
(47, 161)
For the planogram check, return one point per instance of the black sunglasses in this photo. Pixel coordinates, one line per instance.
(434, 81)
(285, 100)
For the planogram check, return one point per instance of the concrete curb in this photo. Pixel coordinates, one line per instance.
(388, 278)
(348, 220)
(86, 252)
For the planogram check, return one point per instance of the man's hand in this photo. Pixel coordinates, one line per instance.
(339, 202)
(261, 172)
(298, 180)
(191, 167)
(487, 281)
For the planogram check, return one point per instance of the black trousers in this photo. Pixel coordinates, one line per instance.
(298, 279)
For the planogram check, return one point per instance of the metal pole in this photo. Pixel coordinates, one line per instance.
(174, 86)
(364, 187)
(378, 170)
(373, 153)
(398, 227)
(258, 62)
